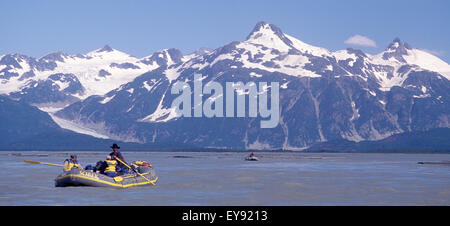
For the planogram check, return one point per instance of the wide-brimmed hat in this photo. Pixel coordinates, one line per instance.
(115, 146)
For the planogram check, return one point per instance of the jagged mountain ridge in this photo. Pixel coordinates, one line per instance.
(324, 95)
(75, 77)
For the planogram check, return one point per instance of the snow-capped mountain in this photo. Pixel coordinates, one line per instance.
(324, 95)
(58, 78)
(398, 55)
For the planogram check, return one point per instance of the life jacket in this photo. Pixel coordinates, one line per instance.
(118, 155)
(142, 163)
(111, 166)
(72, 164)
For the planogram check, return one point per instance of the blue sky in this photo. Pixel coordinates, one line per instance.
(140, 28)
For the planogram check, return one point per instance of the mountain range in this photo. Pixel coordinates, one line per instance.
(347, 95)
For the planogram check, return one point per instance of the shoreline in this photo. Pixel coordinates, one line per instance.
(28, 152)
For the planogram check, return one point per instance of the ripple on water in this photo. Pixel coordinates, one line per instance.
(226, 179)
(246, 179)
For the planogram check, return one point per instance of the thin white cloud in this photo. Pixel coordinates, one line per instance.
(360, 40)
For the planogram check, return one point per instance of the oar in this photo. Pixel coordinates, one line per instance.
(134, 170)
(44, 163)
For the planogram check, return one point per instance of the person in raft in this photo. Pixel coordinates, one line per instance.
(110, 170)
(70, 163)
(116, 153)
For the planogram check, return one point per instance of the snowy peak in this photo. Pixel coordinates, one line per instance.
(12, 60)
(105, 48)
(57, 56)
(164, 57)
(398, 44)
(357, 52)
(396, 50)
(270, 36)
(427, 61)
(203, 51)
(96, 73)
(173, 56)
(198, 53)
(262, 28)
(266, 48)
(400, 53)
(108, 53)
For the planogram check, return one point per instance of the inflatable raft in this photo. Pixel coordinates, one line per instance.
(251, 158)
(80, 177)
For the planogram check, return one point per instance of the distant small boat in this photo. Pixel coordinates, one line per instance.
(441, 162)
(251, 158)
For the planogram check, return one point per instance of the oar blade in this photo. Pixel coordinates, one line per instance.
(43, 163)
(32, 162)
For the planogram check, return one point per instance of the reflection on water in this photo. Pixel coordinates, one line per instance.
(226, 179)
